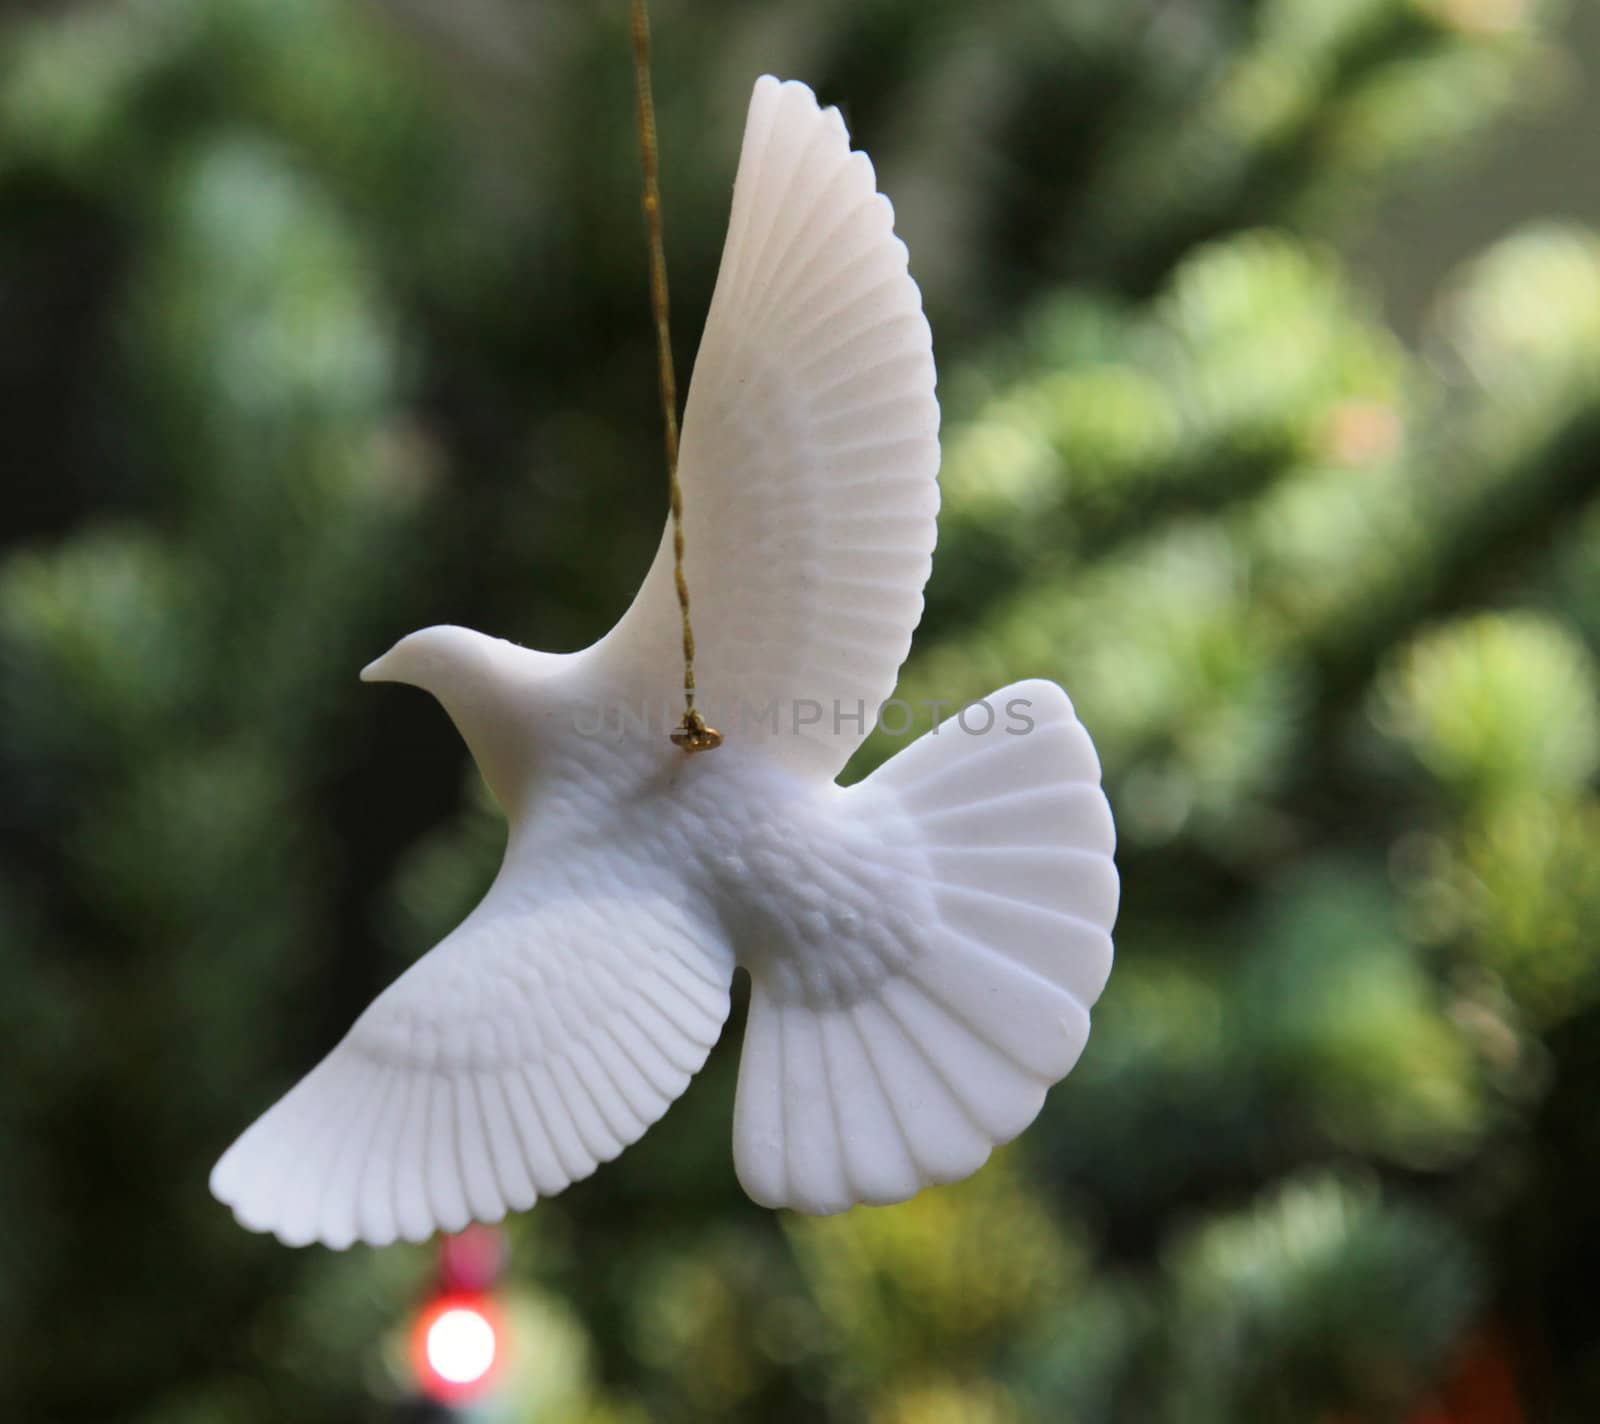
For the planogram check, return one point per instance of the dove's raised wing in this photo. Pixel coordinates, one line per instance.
(544, 1035)
(810, 454)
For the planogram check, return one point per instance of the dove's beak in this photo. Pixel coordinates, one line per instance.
(374, 671)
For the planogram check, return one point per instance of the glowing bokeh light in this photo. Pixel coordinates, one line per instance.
(455, 1346)
(461, 1345)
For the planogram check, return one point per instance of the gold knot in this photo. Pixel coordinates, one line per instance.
(694, 736)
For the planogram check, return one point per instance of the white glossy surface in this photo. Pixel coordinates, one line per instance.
(923, 948)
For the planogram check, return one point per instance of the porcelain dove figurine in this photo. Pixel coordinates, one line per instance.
(923, 947)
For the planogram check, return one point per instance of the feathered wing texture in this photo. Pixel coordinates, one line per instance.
(866, 1086)
(543, 1036)
(810, 452)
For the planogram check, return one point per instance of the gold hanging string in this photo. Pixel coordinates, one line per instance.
(692, 734)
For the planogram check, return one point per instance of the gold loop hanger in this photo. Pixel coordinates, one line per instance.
(692, 733)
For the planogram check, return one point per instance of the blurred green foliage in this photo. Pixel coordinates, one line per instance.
(327, 320)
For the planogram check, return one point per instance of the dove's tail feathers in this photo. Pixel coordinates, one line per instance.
(873, 1090)
(529, 1047)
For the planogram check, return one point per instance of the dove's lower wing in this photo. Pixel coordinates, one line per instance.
(539, 1039)
(810, 454)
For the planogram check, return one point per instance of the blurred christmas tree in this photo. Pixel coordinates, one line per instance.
(326, 321)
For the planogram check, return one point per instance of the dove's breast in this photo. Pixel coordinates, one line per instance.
(824, 896)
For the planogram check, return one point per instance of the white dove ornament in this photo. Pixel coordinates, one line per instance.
(923, 947)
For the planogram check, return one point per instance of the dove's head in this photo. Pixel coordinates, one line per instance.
(491, 689)
(442, 660)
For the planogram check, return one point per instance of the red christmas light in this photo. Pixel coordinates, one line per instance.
(457, 1341)
(456, 1346)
